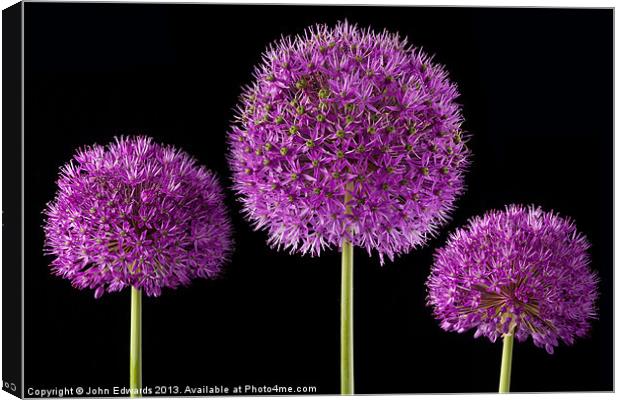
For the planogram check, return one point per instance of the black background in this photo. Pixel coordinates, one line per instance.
(537, 97)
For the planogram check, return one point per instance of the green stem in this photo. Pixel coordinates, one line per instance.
(504, 377)
(346, 321)
(135, 344)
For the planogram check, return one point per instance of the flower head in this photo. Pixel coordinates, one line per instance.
(520, 271)
(136, 213)
(348, 134)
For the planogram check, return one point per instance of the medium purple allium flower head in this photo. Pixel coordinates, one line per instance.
(521, 270)
(348, 134)
(136, 213)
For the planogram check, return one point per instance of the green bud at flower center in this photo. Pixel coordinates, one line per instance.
(301, 84)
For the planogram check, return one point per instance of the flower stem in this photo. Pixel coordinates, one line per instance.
(346, 320)
(504, 377)
(135, 344)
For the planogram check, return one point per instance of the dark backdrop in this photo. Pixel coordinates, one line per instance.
(536, 88)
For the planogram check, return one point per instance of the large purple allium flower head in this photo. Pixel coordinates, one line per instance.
(522, 271)
(348, 134)
(136, 213)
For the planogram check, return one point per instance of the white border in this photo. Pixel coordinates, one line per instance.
(481, 3)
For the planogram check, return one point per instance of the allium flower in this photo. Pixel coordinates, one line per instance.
(136, 213)
(521, 270)
(348, 135)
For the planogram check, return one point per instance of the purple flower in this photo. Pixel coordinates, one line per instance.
(521, 270)
(348, 134)
(136, 213)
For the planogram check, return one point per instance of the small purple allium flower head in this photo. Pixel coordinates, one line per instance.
(522, 271)
(136, 213)
(348, 134)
